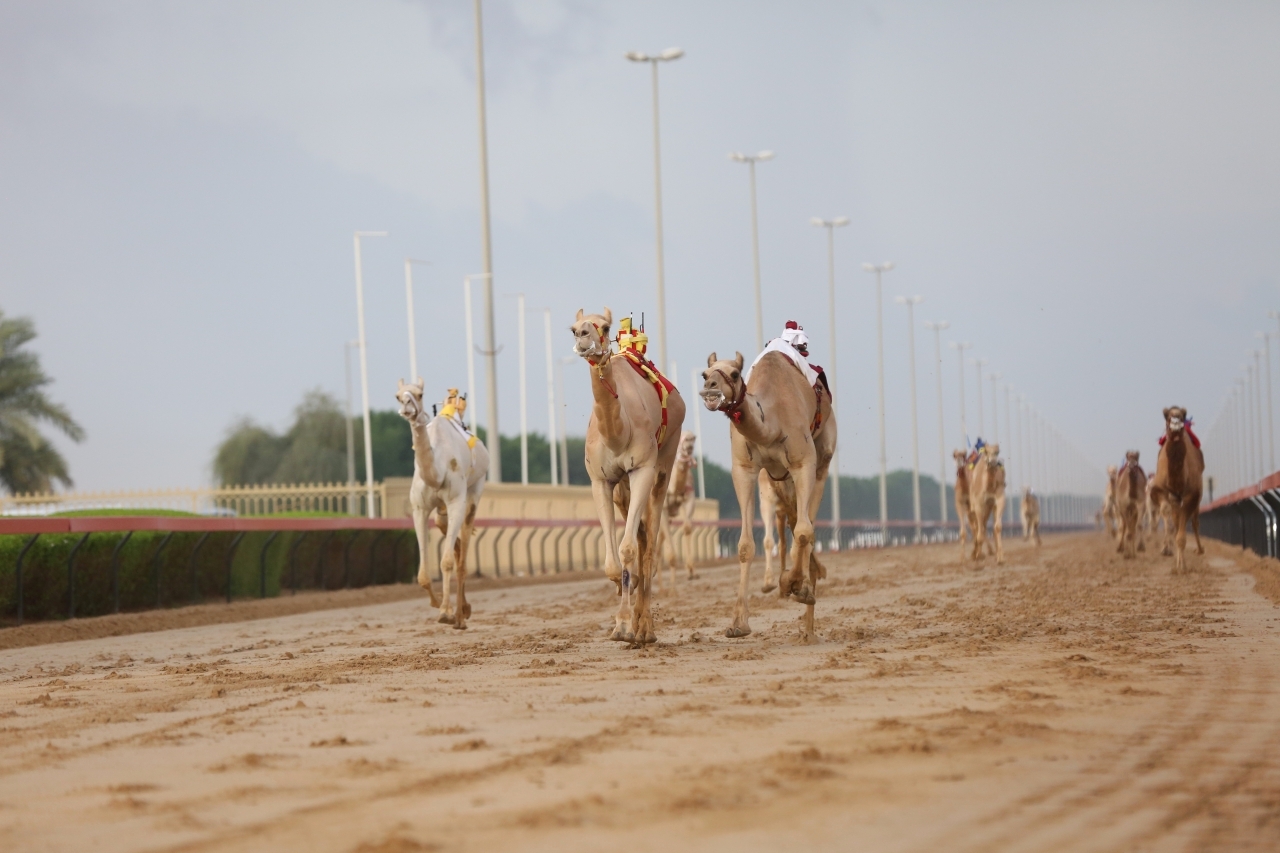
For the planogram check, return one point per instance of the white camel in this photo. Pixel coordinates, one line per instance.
(450, 467)
(679, 509)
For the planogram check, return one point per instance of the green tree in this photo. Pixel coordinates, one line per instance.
(28, 462)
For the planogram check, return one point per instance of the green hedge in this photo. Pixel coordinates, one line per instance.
(157, 569)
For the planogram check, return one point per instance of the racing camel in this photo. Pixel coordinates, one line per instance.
(1030, 510)
(632, 440)
(450, 467)
(1109, 504)
(680, 504)
(1179, 482)
(964, 509)
(986, 497)
(782, 423)
(1130, 497)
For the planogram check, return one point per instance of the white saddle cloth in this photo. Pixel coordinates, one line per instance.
(779, 345)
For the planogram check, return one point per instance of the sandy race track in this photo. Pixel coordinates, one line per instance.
(1067, 701)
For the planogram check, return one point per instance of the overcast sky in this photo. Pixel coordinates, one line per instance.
(1088, 192)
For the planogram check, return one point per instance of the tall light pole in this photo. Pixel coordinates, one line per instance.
(408, 298)
(351, 429)
(1251, 470)
(995, 407)
(978, 364)
(911, 302)
(937, 328)
(831, 225)
(524, 395)
(751, 160)
(364, 368)
(1257, 408)
(564, 433)
(964, 428)
(668, 55)
(1271, 424)
(471, 353)
(486, 256)
(551, 399)
(880, 269)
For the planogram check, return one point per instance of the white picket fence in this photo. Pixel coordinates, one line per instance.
(233, 500)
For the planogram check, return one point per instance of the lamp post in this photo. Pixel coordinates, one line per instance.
(668, 55)
(486, 256)
(1271, 424)
(978, 364)
(564, 433)
(1257, 408)
(751, 160)
(414, 375)
(831, 225)
(964, 428)
(1251, 470)
(879, 270)
(524, 394)
(995, 408)
(364, 368)
(551, 398)
(911, 302)
(471, 356)
(937, 328)
(351, 429)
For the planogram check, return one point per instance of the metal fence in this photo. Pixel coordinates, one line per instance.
(271, 499)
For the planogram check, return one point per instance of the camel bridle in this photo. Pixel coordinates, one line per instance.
(732, 407)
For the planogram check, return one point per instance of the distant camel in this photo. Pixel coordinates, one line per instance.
(964, 509)
(1030, 516)
(986, 496)
(1131, 496)
(1109, 503)
(1179, 482)
(449, 470)
(680, 504)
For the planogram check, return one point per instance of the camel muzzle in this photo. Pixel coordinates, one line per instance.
(713, 399)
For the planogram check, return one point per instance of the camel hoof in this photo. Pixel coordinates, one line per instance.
(804, 595)
(1200, 549)
(733, 632)
(646, 639)
(447, 619)
(618, 634)
(769, 587)
(459, 626)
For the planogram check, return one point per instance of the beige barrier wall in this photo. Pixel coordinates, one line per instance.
(573, 547)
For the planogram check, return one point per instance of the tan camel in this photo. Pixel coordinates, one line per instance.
(1179, 483)
(1030, 516)
(450, 467)
(986, 496)
(964, 508)
(785, 426)
(680, 504)
(1131, 496)
(1109, 517)
(775, 523)
(632, 440)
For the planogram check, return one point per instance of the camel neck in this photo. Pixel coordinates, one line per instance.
(423, 456)
(753, 423)
(1175, 451)
(608, 410)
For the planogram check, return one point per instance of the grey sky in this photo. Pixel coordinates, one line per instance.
(1090, 193)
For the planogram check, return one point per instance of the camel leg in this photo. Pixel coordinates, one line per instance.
(449, 556)
(665, 557)
(744, 484)
(1180, 540)
(424, 570)
(964, 536)
(997, 527)
(602, 492)
(1166, 515)
(979, 522)
(462, 610)
(686, 537)
(1195, 527)
(769, 516)
(654, 508)
(1143, 522)
(816, 570)
(795, 581)
(641, 481)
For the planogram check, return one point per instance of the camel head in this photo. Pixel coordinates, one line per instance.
(1026, 492)
(991, 452)
(1175, 418)
(686, 445)
(410, 399)
(591, 334)
(723, 387)
(1131, 457)
(959, 456)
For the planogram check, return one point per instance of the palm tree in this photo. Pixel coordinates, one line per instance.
(28, 462)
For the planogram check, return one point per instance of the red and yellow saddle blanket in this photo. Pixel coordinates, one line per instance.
(631, 346)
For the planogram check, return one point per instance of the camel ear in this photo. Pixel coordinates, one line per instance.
(578, 319)
(608, 316)
(1166, 414)
(418, 382)
(737, 359)
(399, 385)
(711, 359)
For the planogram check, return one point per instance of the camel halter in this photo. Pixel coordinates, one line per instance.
(732, 408)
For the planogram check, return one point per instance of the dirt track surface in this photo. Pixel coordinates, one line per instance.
(1066, 701)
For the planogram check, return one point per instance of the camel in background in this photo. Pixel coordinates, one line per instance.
(964, 509)
(1151, 513)
(1179, 483)
(1109, 503)
(680, 503)
(986, 497)
(1130, 497)
(785, 426)
(1030, 511)
(450, 467)
(632, 440)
